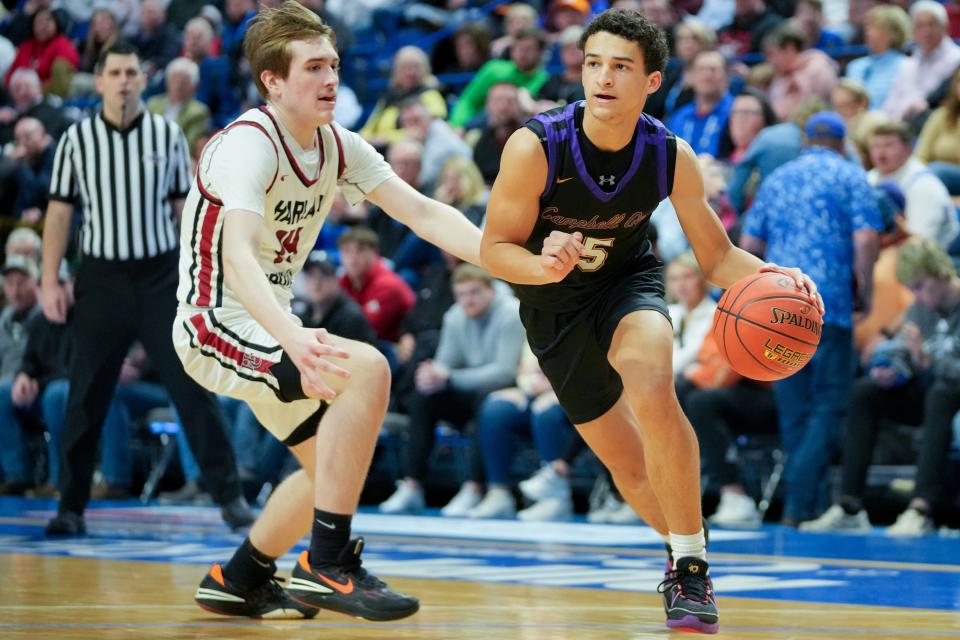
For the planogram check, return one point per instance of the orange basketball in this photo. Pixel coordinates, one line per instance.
(766, 327)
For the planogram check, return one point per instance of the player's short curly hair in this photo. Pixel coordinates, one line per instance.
(267, 42)
(635, 27)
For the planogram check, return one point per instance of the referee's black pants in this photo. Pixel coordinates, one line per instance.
(118, 302)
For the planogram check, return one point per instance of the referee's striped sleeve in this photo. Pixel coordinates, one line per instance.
(63, 183)
(180, 165)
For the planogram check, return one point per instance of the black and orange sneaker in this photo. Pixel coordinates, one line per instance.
(346, 587)
(269, 600)
(688, 597)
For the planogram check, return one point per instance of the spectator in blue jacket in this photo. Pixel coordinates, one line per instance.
(819, 213)
(703, 121)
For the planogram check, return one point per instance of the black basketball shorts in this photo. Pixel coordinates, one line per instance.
(572, 346)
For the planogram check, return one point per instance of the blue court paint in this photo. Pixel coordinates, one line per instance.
(814, 568)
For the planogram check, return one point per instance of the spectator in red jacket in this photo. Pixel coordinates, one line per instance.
(384, 297)
(47, 46)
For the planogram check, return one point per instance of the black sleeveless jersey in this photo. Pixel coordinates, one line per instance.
(607, 196)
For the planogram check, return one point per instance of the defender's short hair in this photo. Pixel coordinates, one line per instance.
(267, 42)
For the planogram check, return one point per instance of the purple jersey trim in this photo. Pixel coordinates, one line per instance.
(554, 138)
(656, 138)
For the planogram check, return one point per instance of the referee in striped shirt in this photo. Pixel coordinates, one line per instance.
(130, 171)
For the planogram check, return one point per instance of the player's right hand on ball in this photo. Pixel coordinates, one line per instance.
(560, 254)
(311, 350)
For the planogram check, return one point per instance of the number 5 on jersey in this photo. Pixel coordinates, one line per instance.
(594, 253)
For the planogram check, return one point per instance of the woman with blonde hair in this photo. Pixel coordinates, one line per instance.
(461, 186)
(851, 100)
(410, 77)
(886, 31)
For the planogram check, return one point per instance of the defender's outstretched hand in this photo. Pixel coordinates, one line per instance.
(311, 350)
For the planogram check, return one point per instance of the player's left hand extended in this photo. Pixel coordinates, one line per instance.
(803, 281)
(560, 254)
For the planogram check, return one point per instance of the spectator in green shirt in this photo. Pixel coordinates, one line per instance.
(523, 69)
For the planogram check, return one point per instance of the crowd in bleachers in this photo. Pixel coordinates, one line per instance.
(438, 86)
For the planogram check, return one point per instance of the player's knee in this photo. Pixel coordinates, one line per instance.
(630, 477)
(651, 385)
(369, 367)
(638, 365)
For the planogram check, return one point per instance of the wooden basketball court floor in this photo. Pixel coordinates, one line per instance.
(134, 575)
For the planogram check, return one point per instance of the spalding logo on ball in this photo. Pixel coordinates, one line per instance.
(766, 327)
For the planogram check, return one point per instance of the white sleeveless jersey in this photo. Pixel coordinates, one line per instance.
(296, 198)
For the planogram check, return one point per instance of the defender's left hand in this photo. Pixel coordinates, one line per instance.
(803, 281)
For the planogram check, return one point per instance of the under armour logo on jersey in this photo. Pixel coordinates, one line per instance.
(607, 181)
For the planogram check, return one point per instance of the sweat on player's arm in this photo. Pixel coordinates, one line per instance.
(721, 261)
(512, 213)
(307, 348)
(437, 223)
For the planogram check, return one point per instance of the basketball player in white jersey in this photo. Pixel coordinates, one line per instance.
(264, 186)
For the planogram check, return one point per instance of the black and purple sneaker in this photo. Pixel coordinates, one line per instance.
(688, 597)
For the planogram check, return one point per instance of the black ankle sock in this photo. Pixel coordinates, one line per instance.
(331, 533)
(249, 567)
(851, 506)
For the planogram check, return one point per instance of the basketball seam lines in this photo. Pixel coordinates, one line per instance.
(737, 316)
(770, 329)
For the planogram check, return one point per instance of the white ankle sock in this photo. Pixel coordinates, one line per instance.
(684, 546)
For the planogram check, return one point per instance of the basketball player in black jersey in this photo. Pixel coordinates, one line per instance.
(567, 223)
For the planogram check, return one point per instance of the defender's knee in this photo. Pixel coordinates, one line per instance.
(369, 369)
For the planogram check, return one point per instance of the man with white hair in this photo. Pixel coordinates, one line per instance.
(179, 102)
(935, 57)
(23, 241)
(28, 102)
